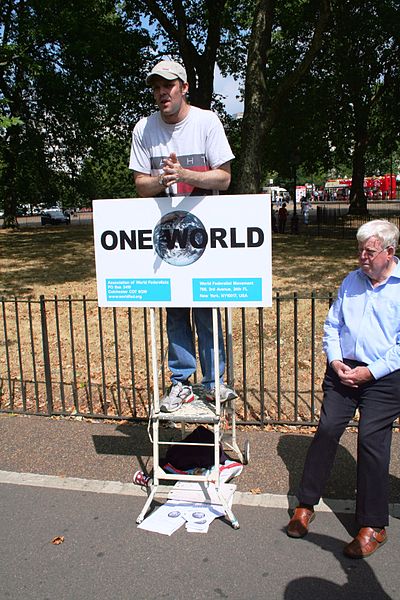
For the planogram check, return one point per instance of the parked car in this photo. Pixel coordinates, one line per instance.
(55, 217)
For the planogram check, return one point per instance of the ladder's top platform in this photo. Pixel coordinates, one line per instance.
(198, 411)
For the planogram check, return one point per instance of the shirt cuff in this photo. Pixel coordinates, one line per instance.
(332, 355)
(379, 369)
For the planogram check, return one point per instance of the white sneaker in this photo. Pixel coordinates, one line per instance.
(178, 394)
(225, 394)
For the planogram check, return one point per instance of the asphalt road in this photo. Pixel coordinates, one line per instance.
(81, 218)
(104, 555)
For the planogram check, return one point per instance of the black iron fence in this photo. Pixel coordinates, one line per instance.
(67, 356)
(338, 223)
(70, 357)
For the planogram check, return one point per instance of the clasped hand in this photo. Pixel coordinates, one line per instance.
(173, 170)
(351, 377)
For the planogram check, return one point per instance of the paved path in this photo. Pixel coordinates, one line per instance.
(72, 479)
(114, 451)
(104, 555)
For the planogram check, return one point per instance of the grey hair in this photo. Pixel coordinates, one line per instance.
(387, 233)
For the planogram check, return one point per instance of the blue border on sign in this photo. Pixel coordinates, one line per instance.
(139, 290)
(227, 289)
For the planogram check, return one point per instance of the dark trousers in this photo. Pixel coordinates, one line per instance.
(378, 403)
(281, 225)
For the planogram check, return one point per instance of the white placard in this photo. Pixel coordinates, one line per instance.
(198, 251)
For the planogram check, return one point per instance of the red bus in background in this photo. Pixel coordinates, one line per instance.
(375, 188)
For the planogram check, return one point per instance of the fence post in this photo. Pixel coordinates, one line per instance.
(46, 356)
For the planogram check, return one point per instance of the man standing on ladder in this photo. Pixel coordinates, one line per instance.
(182, 150)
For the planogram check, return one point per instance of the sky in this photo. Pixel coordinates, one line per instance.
(227, 86)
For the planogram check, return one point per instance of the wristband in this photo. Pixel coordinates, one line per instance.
(161, 181)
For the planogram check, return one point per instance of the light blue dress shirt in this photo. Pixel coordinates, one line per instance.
(363, 323)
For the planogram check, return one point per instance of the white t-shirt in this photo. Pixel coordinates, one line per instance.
(199, 142)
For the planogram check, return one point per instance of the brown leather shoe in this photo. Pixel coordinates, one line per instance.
(366, 542)
(299, 523)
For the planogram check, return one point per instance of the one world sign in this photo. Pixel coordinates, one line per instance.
(198, 251)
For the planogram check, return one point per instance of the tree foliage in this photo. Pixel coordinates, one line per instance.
(202, 34)
(366, 73)
(280, 55)
(69, 72)
(104, 174)
(344, 112)
(321, 87)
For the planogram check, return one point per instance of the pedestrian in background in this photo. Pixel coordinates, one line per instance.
(274, 226)
(282, 218)
(305, 208)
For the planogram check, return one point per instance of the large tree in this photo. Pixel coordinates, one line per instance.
(343, 115)
(208, 33)
(69, 72)
(365, 50)
(202, 34)
(346, 110)
(285, 39)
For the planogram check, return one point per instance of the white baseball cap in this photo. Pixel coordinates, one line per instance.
(168, 69)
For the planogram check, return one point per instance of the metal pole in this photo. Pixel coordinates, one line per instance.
(217, 395)
(216, 360)
(229, 348)
(156, 393)
(46, 356)
(391, 176)
(156, 397)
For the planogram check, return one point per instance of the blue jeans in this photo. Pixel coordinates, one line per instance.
(182, 352)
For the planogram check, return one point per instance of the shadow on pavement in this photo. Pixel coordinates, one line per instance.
(361, 579)
(135, 442)
(342, 482)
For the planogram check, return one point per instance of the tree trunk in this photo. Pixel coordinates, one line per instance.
(261, 110)
(10, 180)
(13, 140)
(358, 200)
(199, 67)
(201, 81)
(255, 113)
(9, 219)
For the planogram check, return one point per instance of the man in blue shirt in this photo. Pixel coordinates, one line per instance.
(362, 344)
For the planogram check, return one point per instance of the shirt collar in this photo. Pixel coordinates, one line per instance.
(394, 273)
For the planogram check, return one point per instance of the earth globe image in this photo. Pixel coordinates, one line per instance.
(179, 238)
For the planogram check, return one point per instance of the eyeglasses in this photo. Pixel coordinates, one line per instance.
(372, 254)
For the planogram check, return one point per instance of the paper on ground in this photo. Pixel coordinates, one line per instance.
(166, 519)
(199, 516)
(185, 509)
